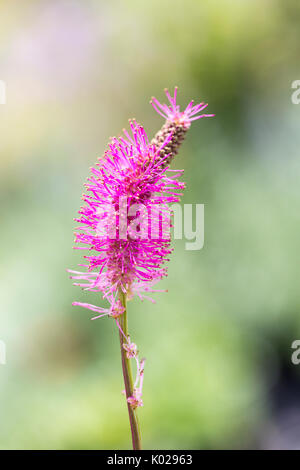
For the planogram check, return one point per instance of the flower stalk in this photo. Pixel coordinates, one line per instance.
(128, 380)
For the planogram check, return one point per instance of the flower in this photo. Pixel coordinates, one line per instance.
(115, 310)
(130, 348)
(126, 218)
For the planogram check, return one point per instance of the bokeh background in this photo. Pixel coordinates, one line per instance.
(218, 345)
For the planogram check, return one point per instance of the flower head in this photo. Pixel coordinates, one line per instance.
(126, 218)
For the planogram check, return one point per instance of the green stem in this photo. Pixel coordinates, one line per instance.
(128, 381)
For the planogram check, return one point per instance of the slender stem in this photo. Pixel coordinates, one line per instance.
(128, 381)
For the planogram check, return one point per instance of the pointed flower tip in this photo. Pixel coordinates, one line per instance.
(171, 112)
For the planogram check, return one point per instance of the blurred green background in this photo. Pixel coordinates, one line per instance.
(218, 344)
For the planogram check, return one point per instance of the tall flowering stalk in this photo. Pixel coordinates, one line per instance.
(125, 222)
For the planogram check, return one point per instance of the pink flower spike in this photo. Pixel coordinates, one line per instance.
(124, 222)
(133, 172)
